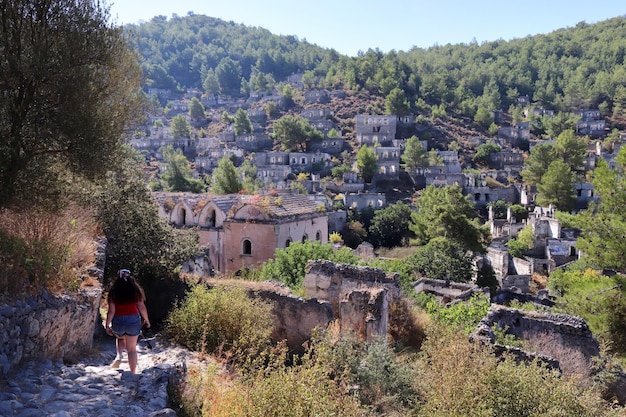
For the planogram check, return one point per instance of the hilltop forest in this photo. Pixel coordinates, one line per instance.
(571, 68)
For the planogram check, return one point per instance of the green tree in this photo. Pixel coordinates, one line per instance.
(289, 264)
(211, 84)
(603, 225)
(226, 178)
(70, 87)
(484, 151)
(558, 124)
(367, 162)
(434, 159)
(196, 110)
(179, 127)
(390, 226)
(250, 181)
(524, 241)
(137, 237)
(177, 176)
(294, 132)
(483, 117)
(414, 155)
(537, 163)
(445, 212)
(571, 149)
(396, 103)
(442, 259)
(228, 73)
(557, 187)
(242, 122)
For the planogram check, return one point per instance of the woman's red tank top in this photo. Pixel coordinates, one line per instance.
(126, 309)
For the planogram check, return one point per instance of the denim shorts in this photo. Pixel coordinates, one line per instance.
(126, 325)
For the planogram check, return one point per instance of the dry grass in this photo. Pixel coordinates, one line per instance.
(399, 252)
(572, 361)
(41, 249)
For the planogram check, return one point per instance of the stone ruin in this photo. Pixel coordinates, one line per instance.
(446, 291)
(359, 296)
(561, 336)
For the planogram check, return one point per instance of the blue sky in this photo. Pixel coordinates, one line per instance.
(350, 26)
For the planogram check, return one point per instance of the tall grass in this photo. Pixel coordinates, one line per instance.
(222, 321)
(45, 250)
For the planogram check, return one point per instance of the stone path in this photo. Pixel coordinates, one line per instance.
(91, 388)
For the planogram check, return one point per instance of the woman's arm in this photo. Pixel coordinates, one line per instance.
(110, 315)
(144, 313)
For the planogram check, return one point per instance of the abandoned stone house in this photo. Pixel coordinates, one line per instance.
(388, 163)
(317, 113)
(515, 136)
(316, 96)
(254, 142)
(241, 231)
(372, 130)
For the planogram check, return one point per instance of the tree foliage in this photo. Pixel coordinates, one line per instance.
(294, 132)
(537, 163)
(70, 89)
(390, 226)
(557, 187)
(442, 259)
(196, 110)
(177, 175)
(289, 264)
(414, 155)
(242, 122)
(138, 238)
(445, 213)
(226, 179)
(603, 225)
(367, 162)
(179, 127)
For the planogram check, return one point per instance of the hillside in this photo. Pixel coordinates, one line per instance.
(579, 67)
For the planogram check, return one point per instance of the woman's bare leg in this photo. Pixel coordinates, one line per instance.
(131, 349)
(120, 346)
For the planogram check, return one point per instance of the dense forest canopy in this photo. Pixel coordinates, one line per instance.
(579, 67)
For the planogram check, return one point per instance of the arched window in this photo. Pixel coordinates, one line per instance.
(211, 218)
(246, 247)
(305, 237)
(318, 235)
(287, 243)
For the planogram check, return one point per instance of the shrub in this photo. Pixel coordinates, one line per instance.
(289, 264)
(39, 249)
(221, 321)
(304, 389)
(463, 379)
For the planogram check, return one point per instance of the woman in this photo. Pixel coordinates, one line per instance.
(126, 309)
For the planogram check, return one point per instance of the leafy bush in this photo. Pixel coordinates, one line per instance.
(384, 382)
(289, 264)
(221, 321)
(463, 315)
(598, 299)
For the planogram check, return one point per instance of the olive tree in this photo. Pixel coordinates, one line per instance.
(70, 88)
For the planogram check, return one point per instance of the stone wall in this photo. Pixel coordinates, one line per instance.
(52, 326)
(448, 291)
(330, 281)
(295, 318)
(48, 326)
(573, 331)
(359, 296)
